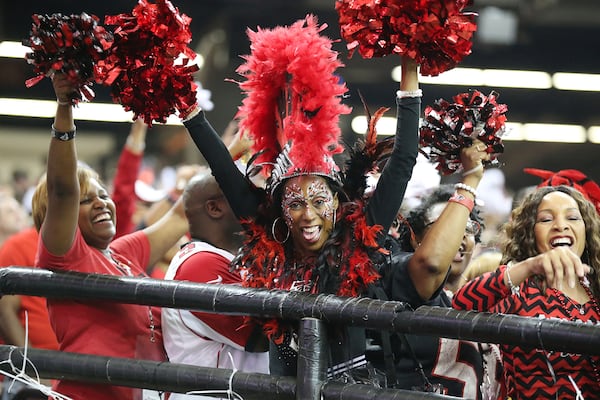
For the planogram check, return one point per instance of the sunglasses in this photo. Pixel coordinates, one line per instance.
(472, 228)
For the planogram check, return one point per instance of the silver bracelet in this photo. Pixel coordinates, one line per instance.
(472, 170)
(192, 114)
(513, 289)
(466, 187)
(409, 93)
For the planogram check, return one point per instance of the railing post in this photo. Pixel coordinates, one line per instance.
(312, 359)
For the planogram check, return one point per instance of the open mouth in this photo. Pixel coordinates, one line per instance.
(311, 234)
(460, 254)
(102, 217)
(561, 241)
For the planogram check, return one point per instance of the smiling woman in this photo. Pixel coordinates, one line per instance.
(76, 220)
(552, 270)
(306, 231)
(309, 209)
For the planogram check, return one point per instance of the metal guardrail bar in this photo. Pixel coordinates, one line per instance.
(181, 378)
(550, 334)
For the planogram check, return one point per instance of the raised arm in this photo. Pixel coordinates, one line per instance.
(387, 197)
(164, 233)
(128, 168)
(433, 256)
(238, 190)
(60, 223)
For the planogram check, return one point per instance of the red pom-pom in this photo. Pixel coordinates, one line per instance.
(435, 33)
(71, 44)
(148, 67)
(449, 127)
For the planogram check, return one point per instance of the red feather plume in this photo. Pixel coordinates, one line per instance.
(292, 96)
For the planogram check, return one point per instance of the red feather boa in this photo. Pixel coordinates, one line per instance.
(263, 261)
(292, 67)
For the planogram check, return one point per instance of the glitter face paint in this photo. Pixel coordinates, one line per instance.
(318, 197)
(308, 208)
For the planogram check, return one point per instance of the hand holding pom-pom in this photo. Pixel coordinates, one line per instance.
(435, 33)
(70, 45)
(449, 127)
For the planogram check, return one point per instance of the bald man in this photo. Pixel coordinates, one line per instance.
(204, 339)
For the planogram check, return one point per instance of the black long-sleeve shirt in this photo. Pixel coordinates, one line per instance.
(382, 207)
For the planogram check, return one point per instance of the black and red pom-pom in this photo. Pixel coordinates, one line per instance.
(449, 127)
(71, 44)
(148, 68)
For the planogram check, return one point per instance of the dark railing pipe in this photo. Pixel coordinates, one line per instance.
(550, 334)
(312, 360)
(179, 378)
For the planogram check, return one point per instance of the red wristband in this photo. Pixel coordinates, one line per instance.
(462, 200)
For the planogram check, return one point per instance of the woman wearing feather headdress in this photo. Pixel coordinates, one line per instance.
(308, 229)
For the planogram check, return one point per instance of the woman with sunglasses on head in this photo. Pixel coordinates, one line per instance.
(435, 244)
(550, 269)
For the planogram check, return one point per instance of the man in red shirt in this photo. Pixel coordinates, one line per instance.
(208, 339)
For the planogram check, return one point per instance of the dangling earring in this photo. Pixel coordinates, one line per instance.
(273, 232)
(334, 218)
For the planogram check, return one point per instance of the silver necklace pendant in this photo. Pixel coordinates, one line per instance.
(581, 310)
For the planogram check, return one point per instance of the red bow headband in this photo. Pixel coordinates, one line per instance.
(569, 177)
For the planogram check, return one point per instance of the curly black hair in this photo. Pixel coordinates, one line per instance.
(416, 220)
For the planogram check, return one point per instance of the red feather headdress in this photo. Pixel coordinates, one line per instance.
(569, 177)
(291, 111)
(293, 101)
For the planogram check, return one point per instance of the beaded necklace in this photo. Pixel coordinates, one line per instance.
(564, 300)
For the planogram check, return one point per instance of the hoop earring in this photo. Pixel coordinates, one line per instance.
(273, 231)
